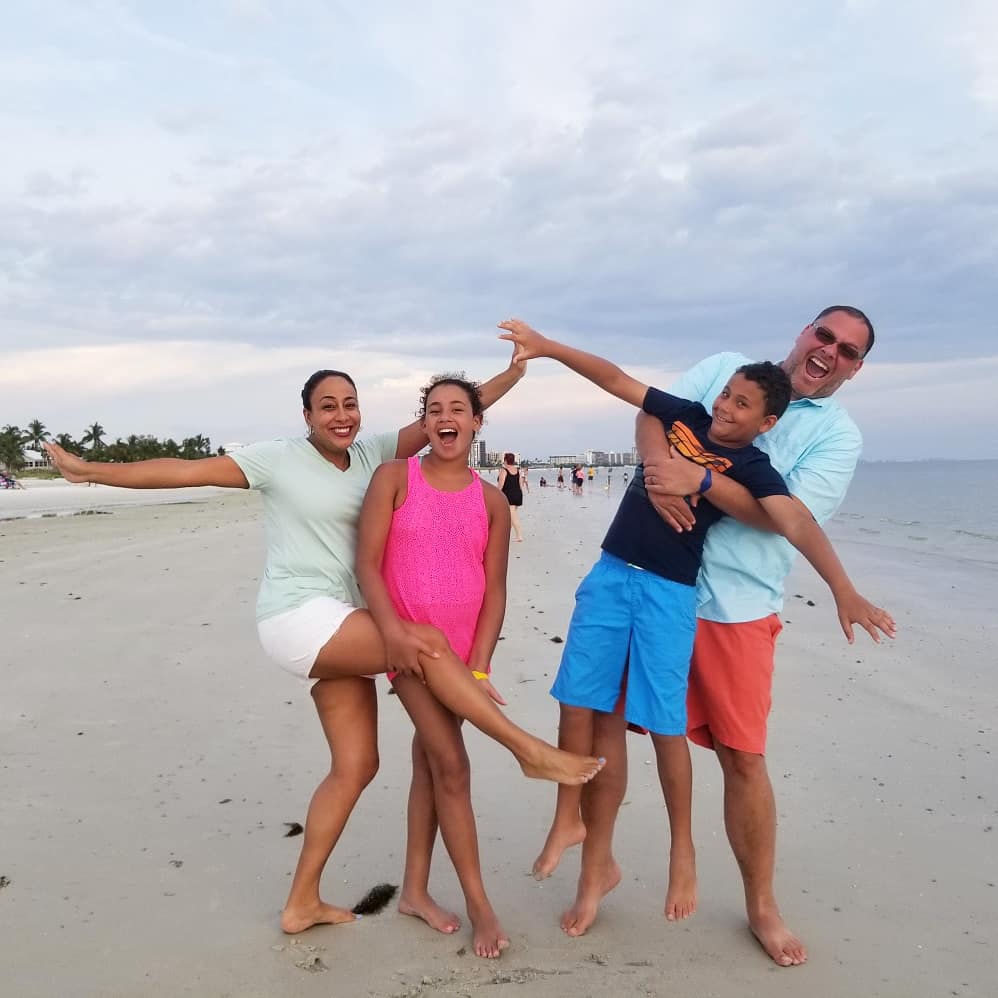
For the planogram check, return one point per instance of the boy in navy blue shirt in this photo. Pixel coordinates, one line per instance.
(635, 613)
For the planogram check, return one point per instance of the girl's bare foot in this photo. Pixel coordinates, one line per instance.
(681, 898)
(577, 919)
(298, 918)
(562, 836)
(774, 936)
(430, 912)
(489, 939)
(545, 762)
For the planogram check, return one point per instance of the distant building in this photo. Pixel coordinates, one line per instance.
(479, 455)
(33, 459)
(562, 459)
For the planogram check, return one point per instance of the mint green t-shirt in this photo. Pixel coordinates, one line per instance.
(311, 511)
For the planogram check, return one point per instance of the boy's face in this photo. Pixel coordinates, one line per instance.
(739, 413)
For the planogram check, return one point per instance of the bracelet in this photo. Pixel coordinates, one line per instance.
(480, 675)
(708, 481)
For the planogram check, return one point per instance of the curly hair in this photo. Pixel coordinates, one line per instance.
(470, 388)
(774, 383)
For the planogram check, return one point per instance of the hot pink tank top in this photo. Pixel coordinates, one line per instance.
(434, 562)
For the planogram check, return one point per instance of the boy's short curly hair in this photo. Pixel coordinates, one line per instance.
(774, 382)
(471, 388)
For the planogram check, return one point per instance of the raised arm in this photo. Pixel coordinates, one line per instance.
(794, 521)
(601, 372)
(159, 473)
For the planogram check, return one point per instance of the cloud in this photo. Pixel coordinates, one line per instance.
(386, 185)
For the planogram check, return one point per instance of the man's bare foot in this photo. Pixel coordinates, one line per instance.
(299, 918)
(577, 919)
(681, 897)
(783, 947)
(561, 837)
(488, 938)
(430, 912)
(545, 762)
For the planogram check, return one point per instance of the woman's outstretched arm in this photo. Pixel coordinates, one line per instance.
(159, 473)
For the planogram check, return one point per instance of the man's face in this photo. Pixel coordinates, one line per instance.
(817, 367)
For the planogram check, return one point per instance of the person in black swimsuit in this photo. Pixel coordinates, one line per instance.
(512, 489)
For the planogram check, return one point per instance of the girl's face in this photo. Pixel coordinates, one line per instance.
(335, 415)
(449, 421)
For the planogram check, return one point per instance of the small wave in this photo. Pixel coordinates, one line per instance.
(903, 523)
(976, 535)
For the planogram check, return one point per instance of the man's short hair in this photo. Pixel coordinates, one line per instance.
(854, 313)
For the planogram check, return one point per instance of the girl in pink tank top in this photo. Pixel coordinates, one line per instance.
(433, 549)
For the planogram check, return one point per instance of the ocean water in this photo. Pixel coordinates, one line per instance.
(945, 508)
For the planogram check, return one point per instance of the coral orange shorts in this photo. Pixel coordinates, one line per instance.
(731, 683)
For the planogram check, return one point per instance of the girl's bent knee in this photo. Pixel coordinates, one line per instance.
(358, 774)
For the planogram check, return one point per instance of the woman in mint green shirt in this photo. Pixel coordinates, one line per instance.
(312, 490)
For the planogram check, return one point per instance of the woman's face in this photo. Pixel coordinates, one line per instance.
(334, 417)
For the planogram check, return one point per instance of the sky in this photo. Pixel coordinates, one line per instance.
(201, 203)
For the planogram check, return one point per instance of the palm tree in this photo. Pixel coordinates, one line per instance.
(66, 442)
(36, 434)
(11, 454)
(94, 435)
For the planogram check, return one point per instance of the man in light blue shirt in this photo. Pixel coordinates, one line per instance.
(815, 446)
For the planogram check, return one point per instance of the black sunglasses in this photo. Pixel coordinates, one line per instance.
(846, 350)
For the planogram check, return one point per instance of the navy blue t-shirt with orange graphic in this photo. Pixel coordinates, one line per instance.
(640, 536)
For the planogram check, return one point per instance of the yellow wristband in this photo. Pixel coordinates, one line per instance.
(480, 675)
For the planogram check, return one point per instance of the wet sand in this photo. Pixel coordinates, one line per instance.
(151, 758)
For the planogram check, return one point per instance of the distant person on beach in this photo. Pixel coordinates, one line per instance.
(309, 610)
(815, 446)
(577, 480)
(511, 486)
(635, 612)
(592, 473)
(561, 478)
(433, 549)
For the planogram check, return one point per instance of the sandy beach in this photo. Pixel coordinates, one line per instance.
(152, 758)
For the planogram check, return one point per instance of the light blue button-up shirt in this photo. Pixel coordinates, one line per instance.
(815, 446)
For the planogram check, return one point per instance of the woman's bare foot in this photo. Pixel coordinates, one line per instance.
(783, 947)
(489, 940)
(562, 836)
(681, 898)
(577, 919)
(545, 762)
(430, 912)
(298, 918)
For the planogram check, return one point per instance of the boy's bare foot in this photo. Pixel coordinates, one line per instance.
(299, 918)
(577, 919)
(488, 938)
(430, 912)
(681, 898)
(545, 762)
(774, 936)
(560, 837)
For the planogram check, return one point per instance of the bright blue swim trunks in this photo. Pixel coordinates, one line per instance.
(630, 622)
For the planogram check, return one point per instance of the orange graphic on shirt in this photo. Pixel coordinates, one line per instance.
(685, 441)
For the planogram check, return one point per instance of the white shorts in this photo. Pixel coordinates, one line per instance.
(293, 639)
